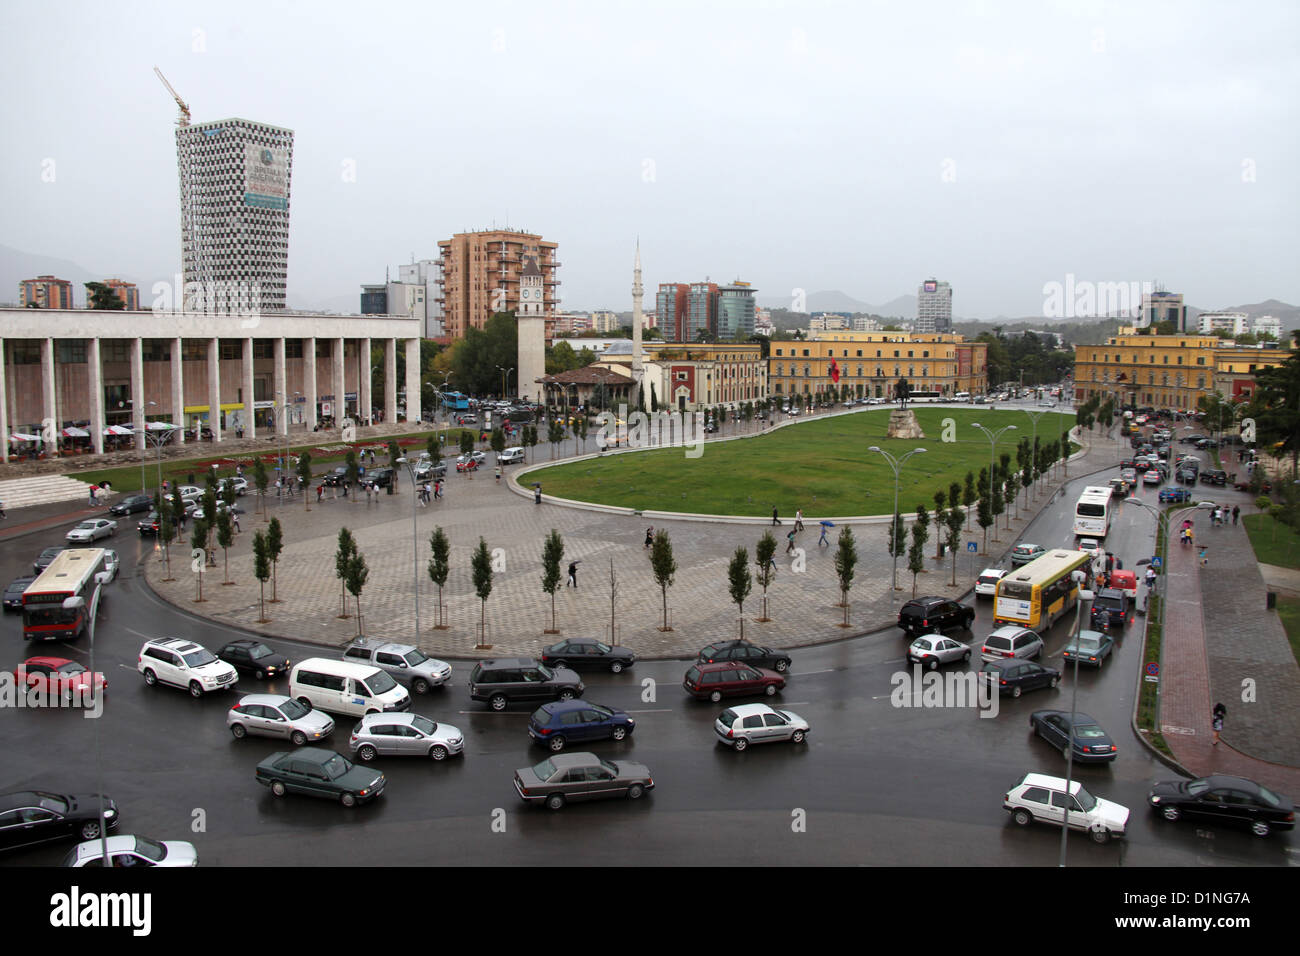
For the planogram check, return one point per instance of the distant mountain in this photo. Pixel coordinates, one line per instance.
(17, 265)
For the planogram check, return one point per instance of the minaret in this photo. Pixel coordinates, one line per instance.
(638, 371)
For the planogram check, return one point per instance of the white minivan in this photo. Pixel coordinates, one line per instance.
(345, 688)
(510, 456)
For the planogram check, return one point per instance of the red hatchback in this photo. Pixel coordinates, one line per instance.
(730, 679)
(56, 675)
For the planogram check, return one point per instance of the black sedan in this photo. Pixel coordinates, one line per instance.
(1235, 801)
(130, 505)
(587, 651)
(320, 773)
(1015, 675)
(45, 557)
(745, 653)
(254, 657)
(584, 776)
(14, 593)
(335, 478)
(35, 816)
(1091, 743)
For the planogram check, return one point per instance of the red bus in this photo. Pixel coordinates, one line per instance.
(72, 574)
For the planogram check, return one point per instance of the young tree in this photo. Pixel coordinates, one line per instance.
(261, 570)
(846, 559)
(580, 431)
(613, 593)
(916, 554)
(954, 518)
(165, 530)
(552, 554)
(439, 565)
(481, 567)
(968, 496)
(498, 442)
(260, 481)
(199, 544)
(764, 552)
(896, 537)
(274, 545)
(996, 500)
(433, 445)
(225, 538)
(530, 438)
(466, 442)
(940, 499)
(923, 523)
(984, 518)
(347, 547)
(177, 509)
(304, 476)
(355, 579)
(555, 434)
(1027, 470)
(740, 582)
(663, 565)
(1012, 495)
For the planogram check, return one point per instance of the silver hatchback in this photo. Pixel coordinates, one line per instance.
(404, 735)
(935, 649)
(274, 715)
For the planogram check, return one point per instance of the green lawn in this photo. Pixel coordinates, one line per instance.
(1288, 611)
(822, 466)
(1273, 541)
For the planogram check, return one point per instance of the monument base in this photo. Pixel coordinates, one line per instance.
(903, 424)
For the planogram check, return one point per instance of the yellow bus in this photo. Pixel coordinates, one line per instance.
(1041, 592)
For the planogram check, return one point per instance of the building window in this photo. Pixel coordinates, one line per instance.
(263, 348)
(232, 349)
(806, 372)
(114, 350)
(805, 353)
(925, 354)
(293, 348)
(194, 352)
(71, 351)
(24, 352)
(1200, 381)
(157, 350)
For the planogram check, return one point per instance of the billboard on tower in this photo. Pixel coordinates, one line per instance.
(266, 180)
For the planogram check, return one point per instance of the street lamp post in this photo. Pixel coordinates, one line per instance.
(896, 464)
(72, 604)
(1033, 417)
(993, 444)
(1084, 601)
(415, 543)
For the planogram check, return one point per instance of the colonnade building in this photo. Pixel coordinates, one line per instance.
(257, 374)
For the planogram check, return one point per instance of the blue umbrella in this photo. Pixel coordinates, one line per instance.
(828, 524)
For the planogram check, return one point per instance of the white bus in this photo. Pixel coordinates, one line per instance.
(1092, 512)
(924, 395)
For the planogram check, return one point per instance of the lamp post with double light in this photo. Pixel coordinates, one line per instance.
(993, 445)
(896, 464)
(1082, 606)
(415, 541)
(72, 604)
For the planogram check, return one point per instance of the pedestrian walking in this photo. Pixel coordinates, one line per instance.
(798, 520)
(822, 540)
(498, 474)
(537, 493)
(437, 488)
(94, 490)
(775, 519)
(789, 539)
(1236, 510)
(367, 487)
(1151, 579)
(573, 576)
(2, 510)
(1204, 560)
(1219, 714)
(649, 536)
(234, 517)
(320, 492)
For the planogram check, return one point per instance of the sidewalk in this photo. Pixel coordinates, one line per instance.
(1222, 645)
(802, 605)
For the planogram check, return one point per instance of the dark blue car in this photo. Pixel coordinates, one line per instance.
(1175, 494)
(562, 722)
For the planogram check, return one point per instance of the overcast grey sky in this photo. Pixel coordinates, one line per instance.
(851, 146)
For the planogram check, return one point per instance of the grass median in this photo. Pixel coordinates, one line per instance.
(822, 466)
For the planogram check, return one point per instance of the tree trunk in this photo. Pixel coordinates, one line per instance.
(275, 593)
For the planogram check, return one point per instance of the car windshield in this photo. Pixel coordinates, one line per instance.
(335, 767)
(294, 709)
(1086, 800)
(546, 672)
(71, 667)
(544, 770)
(52, 801)
(258, 651)
(150, 850)
(414, 658)
(423, 724)
(199, 658)
(380, 683)
(86, 525)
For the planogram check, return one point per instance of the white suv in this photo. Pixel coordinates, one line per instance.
(182, 663)
(1011, 641)
(1040, 797)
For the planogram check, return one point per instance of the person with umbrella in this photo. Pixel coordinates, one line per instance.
(822, 540)
(573, 573)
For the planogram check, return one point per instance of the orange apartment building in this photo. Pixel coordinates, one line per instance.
(480, 275)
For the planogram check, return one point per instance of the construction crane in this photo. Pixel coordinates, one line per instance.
(184, 118)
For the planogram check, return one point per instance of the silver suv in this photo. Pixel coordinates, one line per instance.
(404, 662)
(182, 663)
(1011, 641)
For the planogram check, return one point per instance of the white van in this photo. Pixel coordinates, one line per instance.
(510, 455)
(961, 397)
(345, 688)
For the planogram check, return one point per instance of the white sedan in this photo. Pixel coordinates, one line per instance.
(92, 530)
(241, 485)
(746, 724)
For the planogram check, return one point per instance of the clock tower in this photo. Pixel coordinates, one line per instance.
(530, 289)
(530, 317)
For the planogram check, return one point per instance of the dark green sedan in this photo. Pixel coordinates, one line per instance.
(320, 773)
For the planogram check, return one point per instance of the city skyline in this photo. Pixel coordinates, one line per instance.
(999, 149)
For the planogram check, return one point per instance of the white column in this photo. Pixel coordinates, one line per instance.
(412, 380)
(48, 411)
(309, 379)
(138, 406)
(214, 388)
(279, 385)
(250, 430)
(95, 384)
(364, 404)
(336, 355)
(390, 380)
(4, 411)
(178, 390)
